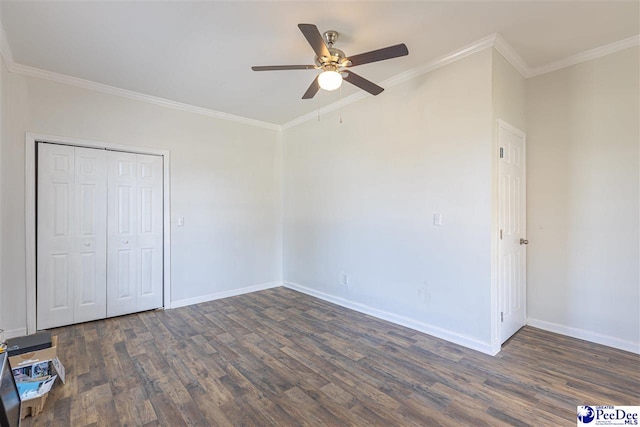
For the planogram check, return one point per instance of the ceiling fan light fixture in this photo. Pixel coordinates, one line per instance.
(330, 80)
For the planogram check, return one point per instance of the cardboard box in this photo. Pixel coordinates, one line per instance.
(35, 405)
(27, 359)
(32, 406)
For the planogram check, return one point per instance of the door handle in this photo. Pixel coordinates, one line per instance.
(524, 241)
(126, 242)
(87, 244)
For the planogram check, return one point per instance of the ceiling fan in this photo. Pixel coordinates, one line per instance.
(335, 64)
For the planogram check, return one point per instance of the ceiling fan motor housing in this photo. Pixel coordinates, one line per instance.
(337, 60)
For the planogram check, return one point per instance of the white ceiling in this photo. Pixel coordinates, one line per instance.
(200, 53)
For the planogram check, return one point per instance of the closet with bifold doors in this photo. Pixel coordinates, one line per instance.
(99, 236)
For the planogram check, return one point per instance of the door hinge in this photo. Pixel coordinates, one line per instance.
(501, 152)
(502, 316)
(500, 234)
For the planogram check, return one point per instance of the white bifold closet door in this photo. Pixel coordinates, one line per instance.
(134, 270)
(72, 235)
(99, 234)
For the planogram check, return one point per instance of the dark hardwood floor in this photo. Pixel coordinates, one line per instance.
(278, 357)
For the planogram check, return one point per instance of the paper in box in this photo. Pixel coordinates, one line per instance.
(32, 366)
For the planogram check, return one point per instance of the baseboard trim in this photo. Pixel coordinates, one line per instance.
(435, 331)
(583, 334)
(224, 294)
(13, 333)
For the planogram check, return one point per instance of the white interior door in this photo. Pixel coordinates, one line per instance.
(71, 235)
(512, 230)
(134, 270)
(150, 235)
(91, 226)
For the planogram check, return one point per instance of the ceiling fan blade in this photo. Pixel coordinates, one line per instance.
(283, 67)
(379, 54)
(315, 39)
(363, 83)
(313, 89)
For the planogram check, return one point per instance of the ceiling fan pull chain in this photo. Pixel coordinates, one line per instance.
(318, 103)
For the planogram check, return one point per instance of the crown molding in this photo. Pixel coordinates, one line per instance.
(588, 55)
(99, 87)
(441, 61)
(5, 49)
(510, 54)
(454, 56)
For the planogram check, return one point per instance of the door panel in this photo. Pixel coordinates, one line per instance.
(150, 237)
(135, 233)
(87, 210)
(126, 287)
(55, 275)
(91, 231)
(61, 200)
(512, 225)
(61, 283)
(122, 271)
(124, 212)
(87, 279)
(146, 269)
(71, 235)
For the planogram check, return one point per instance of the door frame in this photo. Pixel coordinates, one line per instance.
(496, 325)
(31, 139)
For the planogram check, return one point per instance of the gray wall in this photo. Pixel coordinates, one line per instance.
(583, 218)
(225, 182)
(360, 196)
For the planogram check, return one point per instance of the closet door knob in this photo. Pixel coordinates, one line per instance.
(87, 244)
(126, 242)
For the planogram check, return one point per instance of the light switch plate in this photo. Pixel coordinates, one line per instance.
(437, 219)
(180, 221)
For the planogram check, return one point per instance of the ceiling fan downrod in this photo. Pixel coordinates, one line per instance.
(331, 36)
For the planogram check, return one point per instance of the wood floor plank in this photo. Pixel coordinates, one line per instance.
(281, 358)
(133, 407)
